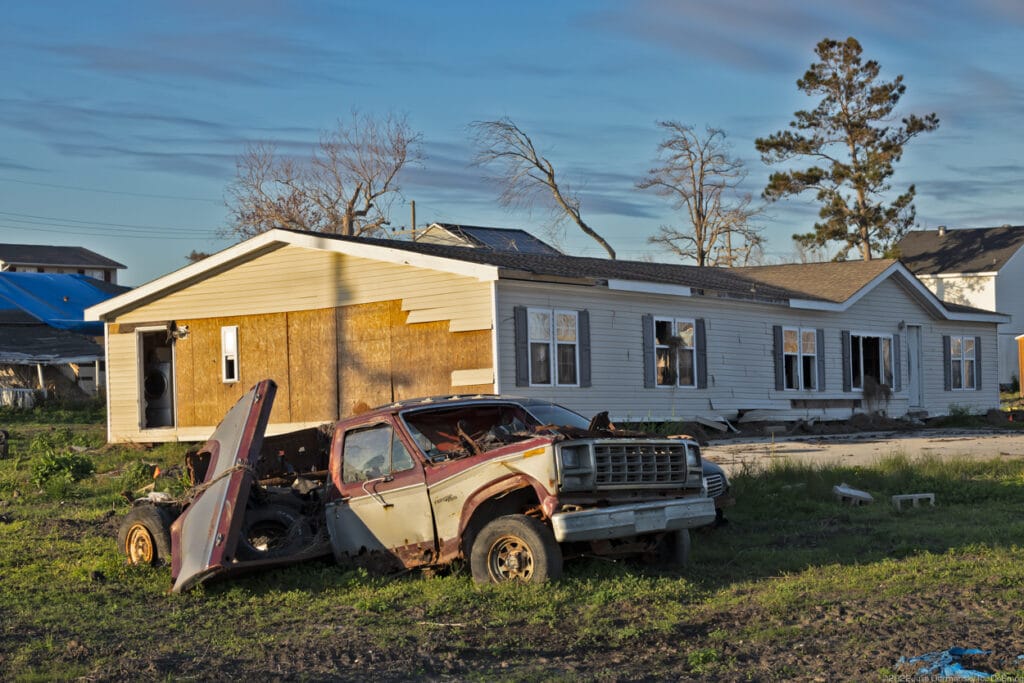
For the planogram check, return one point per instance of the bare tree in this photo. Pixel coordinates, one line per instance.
(346, 187)
(699, 176)
(526, 176)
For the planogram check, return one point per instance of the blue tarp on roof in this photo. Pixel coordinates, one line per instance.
(58, 300)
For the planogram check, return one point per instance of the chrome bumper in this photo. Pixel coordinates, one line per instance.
(623, 521)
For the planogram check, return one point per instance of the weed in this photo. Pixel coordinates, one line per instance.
(701, 661)
(57, 471)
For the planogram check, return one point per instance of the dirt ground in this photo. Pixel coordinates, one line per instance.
(865, 448)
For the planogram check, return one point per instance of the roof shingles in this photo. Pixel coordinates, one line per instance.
(966, 250)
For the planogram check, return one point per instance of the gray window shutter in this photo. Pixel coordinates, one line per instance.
(702, 354)
(844, 338)
(821, 359)
(780, 369)
(947, 379)
(977, 362)
(647, 321)
(522, 335)
(897, 368)
(583, 330)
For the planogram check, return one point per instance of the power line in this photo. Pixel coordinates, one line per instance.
(34, 219)
(100, 233)
(119, 192)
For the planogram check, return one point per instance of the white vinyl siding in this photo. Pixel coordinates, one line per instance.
(740, 352)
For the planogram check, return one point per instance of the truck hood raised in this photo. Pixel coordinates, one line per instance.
(204, 537)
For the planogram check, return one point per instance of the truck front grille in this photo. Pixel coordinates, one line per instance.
(639, 464)
(716, 485)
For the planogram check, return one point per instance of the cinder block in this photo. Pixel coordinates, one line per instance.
(851, 496)
(914, 498)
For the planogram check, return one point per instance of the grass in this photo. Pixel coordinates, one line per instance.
(793, 582)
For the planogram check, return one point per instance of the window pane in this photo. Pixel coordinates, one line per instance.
(540, 363)
(662, 331)
(686, 373)
(666, 371)
(366, 454)
(401, 460)
(540, 325)
(957, 377)
(685, 334)
(968, 347)
(956, 346)
(809, 338)
(810, 369)
(886, 361)
(567, 364)
(969, 374)
(789, 341)
(565, 327)
(792, 376)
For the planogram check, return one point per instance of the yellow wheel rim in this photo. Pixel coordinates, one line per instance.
(138, 545)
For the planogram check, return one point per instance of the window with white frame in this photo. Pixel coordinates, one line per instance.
(675, 352)
(871, 356)
(554, 347)
(962, 363)
(229, 353)
(800, 358)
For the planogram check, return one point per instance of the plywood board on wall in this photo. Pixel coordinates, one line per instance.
(383, 358)
(312, 365)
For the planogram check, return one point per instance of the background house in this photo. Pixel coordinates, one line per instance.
(346, 323)
(494, 239)
(979, 267)
(38, 258)
(45, 343)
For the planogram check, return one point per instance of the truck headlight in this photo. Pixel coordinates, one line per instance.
(575, 467)
(692, 457)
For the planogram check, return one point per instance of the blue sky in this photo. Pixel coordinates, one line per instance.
(120, 122)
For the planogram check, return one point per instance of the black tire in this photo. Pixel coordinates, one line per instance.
(674, 549)
(515, 548)
(272, 531)
(144, 536)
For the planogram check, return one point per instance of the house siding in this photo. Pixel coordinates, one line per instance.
(1010, 300)
(740, 359)
(336, 332)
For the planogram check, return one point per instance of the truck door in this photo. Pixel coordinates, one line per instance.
(384, 513)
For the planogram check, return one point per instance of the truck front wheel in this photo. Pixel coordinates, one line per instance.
(515, 548)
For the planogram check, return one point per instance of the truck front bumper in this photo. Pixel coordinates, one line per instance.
(633, 519)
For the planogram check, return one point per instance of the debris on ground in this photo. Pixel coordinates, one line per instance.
(848, 495)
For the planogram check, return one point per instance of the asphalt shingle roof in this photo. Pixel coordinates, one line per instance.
(965, 250)
(43, 255)
(500, 239)
(834, 281)
(772, 283)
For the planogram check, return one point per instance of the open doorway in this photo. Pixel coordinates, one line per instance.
(156, 350)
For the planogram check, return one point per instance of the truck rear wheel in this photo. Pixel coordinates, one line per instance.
(515, 548)
(145, 535)
(271, 531)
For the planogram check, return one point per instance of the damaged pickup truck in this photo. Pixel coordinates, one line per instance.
(510, 485)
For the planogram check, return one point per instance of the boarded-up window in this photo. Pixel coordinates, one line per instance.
(229, 353)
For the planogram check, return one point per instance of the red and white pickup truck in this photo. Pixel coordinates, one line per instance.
(510, 485)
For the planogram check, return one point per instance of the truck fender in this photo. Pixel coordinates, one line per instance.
(501, 487)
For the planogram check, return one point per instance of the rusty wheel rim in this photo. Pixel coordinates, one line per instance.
(138, 545)
(511, 559)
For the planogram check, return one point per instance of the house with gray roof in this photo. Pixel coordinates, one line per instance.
(345, 323)
(493, 239)
(978, 267)
(39, 258)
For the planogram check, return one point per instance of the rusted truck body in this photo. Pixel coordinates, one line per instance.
(509, 485)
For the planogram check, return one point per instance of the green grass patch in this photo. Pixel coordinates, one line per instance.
(794, 582)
